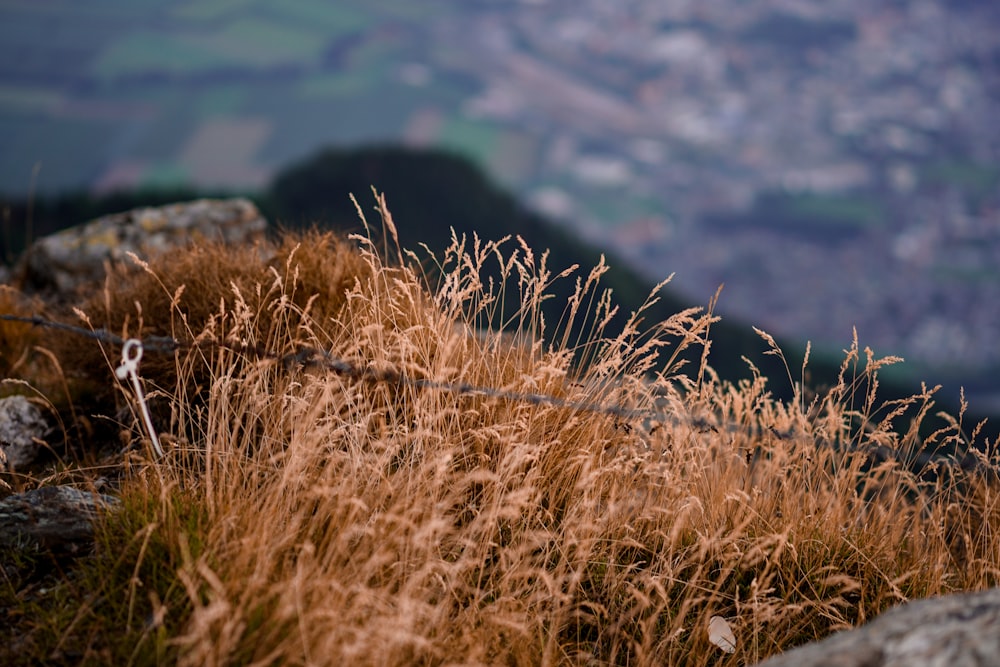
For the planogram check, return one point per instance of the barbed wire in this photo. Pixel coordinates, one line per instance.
(311, 357)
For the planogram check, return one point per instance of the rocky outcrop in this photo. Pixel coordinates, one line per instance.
(961, 630)
(22, 430)
(57, 518)
(60, 517)
(59, 262)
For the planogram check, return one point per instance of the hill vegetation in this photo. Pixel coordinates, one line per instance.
(305, 513)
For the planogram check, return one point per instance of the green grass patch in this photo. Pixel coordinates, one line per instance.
(347, 84)
(383, 55)
(146, 52)
(332, 20)
(335, 20)
(165, 175)
(965, 274)
(210, 10)
(247, 42)
(823, 216)
(977, 179)
(834, 210)
(514, 156)
(615, 210)
(340, 85)
(222, 101)
(402, 9)
(475, 139)
(258, 42)
(28, 99)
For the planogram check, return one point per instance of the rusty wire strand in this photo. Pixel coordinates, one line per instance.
(310, 357)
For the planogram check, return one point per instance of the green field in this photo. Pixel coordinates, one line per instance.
(470, 137)
(834, 210)
(140, 53)
(212, 10)
(345, 85)
(186, 53)
(156, 70)
(333, 20)
(975, 178)
(821, 216)
(165, 175)
(28, 99)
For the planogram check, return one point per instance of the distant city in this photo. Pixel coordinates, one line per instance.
(834, 164)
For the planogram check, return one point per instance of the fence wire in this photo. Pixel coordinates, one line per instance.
(310, 357)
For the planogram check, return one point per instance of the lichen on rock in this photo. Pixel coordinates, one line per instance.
(60, 262)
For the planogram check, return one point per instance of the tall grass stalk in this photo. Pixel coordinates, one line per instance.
(302, 517)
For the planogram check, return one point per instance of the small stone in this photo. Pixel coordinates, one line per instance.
(54, 517)
(22, 427)
(960, 630)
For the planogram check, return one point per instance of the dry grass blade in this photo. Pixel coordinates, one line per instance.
(305, 517)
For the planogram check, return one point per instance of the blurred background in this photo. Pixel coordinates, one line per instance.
(834, 164)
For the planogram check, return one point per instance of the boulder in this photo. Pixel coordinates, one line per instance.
(961, 630)
(61, 261)
(58, 518)
(23, 428)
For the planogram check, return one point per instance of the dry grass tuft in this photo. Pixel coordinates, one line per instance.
(304, 517)
(22, 346)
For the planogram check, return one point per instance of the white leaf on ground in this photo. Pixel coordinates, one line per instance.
(720, 634)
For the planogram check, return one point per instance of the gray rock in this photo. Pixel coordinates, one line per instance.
(22, 426)
(53, 517)
(62, 261)
(961, 630)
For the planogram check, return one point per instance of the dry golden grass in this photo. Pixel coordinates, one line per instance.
(18, 343)
(305, 517)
